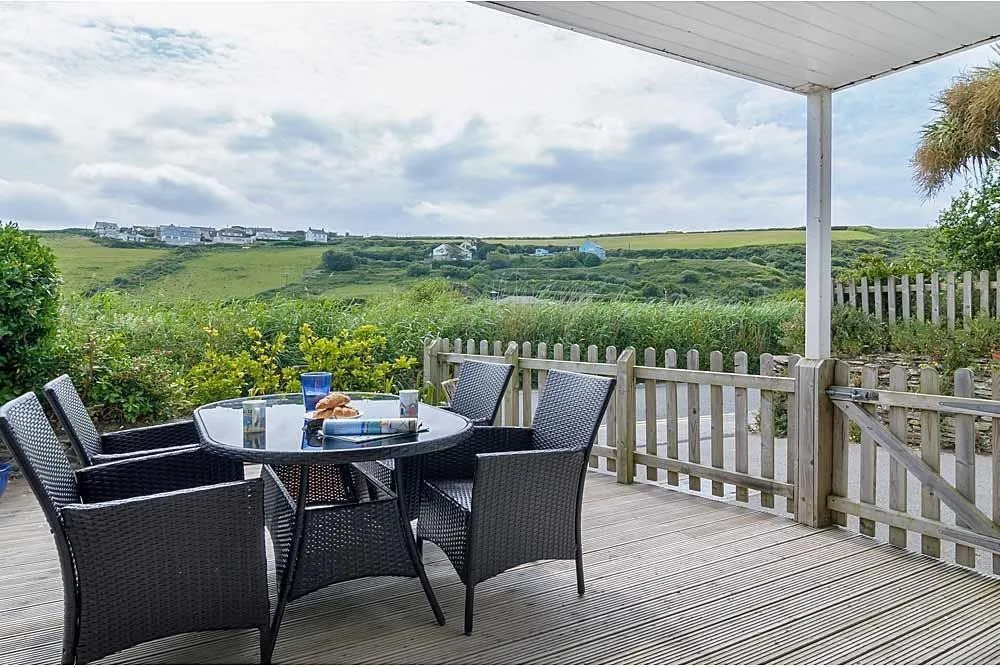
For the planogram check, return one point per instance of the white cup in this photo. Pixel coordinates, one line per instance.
(409, 400)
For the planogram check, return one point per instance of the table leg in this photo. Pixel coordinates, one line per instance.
(411, 547)
(288, 578)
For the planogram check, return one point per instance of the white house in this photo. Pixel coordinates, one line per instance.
(268, 234)
(468, 246)
(316, 235)
(234, 236)
(449, 253)
(129, 235)
(174, 235)
(541, 252)
(105, 228)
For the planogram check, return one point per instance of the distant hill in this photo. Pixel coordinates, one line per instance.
(732, 265)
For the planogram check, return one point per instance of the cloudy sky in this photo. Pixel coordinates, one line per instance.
(410, 118)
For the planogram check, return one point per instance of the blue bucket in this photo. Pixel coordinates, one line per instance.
(4, 476)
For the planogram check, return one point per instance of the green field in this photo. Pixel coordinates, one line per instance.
(85, 264)
(731, 266)
(690, 240)
(237, 272)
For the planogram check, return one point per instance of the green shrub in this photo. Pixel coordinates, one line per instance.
(357, 360)
(119, 388)
(29, 308)
(689, 278)
(564, 260)
(338, 260)
(417, 270)
(252, 371)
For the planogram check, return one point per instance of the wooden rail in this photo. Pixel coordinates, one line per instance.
(905, 298)
(644, 434)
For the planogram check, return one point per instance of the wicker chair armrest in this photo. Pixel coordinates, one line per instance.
(150, 437)
(459, 462)
(155, 473)
(475, 422)
(156, 565)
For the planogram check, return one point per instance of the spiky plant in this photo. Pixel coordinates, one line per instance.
(965, 135)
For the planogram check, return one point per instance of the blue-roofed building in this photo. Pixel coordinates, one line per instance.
(174, 235)
(541, 252)
(592, 248)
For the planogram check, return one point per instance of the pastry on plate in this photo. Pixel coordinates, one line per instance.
(332, 400)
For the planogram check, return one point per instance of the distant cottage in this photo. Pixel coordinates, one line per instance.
(592, 248)
(316, 235)
(450, 253)
(180, 236)
(541, 252)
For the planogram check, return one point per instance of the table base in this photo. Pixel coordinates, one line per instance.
(316, 545)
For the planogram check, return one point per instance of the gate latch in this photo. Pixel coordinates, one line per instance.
(854, 394)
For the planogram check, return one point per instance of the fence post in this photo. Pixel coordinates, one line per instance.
(814, 463)
(510, 400)
(625, 405)
(430, 368)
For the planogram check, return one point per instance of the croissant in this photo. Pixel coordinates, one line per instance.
(344, 411)
(332, 400)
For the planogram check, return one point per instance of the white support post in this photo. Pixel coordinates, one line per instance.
(819, 292)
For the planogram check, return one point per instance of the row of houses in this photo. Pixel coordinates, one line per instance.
(176, 235)
(464, 251)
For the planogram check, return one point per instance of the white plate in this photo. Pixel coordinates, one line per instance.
(311, 416)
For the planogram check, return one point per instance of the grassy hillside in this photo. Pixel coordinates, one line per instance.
(676, 266)
(85, 264)
(221, 273)
(691, 240)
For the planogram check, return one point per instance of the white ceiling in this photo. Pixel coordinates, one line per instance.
(790, 45)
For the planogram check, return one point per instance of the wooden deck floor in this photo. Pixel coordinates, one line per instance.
(671, 578)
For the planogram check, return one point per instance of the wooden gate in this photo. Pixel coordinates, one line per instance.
(966, 524)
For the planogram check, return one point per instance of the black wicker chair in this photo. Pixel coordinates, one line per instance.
(142, 556)
(94, 448)
(512, 495)
(480, 390)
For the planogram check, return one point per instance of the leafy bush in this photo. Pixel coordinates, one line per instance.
(120, 388)
(969, 229)
(29, 308)
(338, 260)
(564, 260)
(253, 371)
(689, 278)
(417, 270)
(852, 333)
(588, 259)
(356, 358)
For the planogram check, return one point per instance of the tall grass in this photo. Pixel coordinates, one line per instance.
(177, 327)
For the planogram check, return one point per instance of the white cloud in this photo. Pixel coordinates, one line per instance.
(359, 114)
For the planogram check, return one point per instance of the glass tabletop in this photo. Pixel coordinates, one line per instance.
(288, 438)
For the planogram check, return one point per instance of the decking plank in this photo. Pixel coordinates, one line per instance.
(671, 577)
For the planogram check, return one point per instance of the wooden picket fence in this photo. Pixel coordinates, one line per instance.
(661, 442)
(884, 499)
(912, 298)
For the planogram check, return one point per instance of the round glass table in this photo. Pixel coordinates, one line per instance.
(348, 525)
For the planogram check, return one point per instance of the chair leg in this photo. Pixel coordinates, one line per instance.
(265, 645)
(420, 548)
(469, 600)
(579, 571)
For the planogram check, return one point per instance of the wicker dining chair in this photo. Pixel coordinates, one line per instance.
(142, 555)
(512, 495)
(93, 448)
(477, 397)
